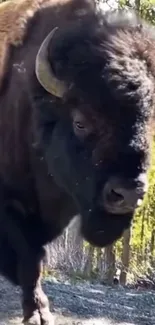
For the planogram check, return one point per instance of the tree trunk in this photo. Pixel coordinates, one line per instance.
(99, 260)
(89, 262)
(152, 245)
(137, 5)
(125, 256)
(142, 235)
(110, 263)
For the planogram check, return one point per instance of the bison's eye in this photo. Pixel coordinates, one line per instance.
(81, 126)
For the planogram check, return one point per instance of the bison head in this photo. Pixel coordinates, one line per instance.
(102, 70)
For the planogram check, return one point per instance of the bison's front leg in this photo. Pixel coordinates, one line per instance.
(34, 301)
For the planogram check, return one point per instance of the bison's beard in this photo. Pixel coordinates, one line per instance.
(102, 229)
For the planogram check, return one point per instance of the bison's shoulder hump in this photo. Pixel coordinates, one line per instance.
(14, 18)
(14, 15)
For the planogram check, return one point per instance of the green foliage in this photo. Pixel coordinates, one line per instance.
(146, 8)
(144, 221)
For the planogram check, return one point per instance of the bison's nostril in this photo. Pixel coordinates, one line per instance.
(115, 197)
(122, 196)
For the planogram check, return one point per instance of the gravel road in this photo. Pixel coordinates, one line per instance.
(84, 304)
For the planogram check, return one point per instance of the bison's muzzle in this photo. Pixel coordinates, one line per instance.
(121, 197)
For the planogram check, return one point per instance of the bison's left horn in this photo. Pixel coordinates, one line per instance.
(44, 72)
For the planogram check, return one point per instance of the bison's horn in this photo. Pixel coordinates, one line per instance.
(44, 72)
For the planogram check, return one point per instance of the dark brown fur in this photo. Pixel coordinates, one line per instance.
(22, 169)
(113, 88)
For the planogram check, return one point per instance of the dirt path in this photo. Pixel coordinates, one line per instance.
(84, 304)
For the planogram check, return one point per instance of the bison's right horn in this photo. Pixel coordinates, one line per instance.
(44, 72)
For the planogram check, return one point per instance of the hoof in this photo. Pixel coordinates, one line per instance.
(33, 320)
(43, 317)
(46, 317)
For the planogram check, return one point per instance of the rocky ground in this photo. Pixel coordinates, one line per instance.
(84, 304)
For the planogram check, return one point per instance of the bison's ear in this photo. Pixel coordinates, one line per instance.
(44, 72)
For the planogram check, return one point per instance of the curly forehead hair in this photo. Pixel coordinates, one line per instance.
(108, 54)
(130, 65)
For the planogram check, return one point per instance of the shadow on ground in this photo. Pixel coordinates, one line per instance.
(66, 321)
(84, 304)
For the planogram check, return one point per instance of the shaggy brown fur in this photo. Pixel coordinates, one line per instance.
(15, 14)
(14, 18)
(50, 167)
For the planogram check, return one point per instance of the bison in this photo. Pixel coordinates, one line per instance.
(77, 93)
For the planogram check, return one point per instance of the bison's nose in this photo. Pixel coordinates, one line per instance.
(121, 196)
